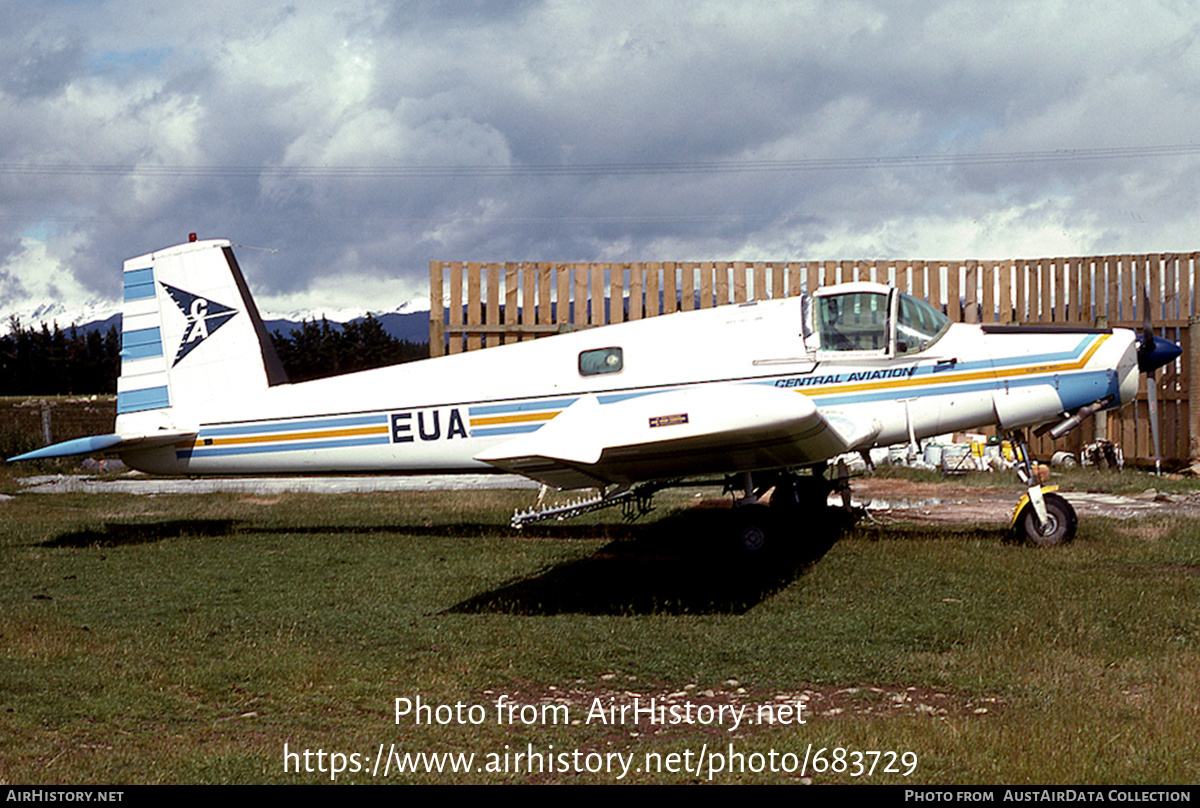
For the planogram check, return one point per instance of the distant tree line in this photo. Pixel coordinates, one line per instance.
(50, 361)
(316, 350)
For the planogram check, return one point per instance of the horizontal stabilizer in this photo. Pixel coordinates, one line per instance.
(98, 444)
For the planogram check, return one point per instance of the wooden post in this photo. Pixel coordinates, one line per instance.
(971, 293)
(616, 293)
(795, 278)
(721, 268)
(739, 283)
(437, 326)
(456, 307)
(562, 304)
(581, 295)
(528, 296)
(493, 302)
(1061, 308)
(473, 304)
(1193, 383)
(988, 274)
(545, 274)
(637, 274)
(512, 299)
(953, 299)
(670, 298)
(1083, 313)
(653, 304)
(597, 295)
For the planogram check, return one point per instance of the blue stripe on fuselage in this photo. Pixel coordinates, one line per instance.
(269, 427)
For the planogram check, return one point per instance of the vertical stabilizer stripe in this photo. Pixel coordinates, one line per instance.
(139, 284)
(145, 343)
(149, 398)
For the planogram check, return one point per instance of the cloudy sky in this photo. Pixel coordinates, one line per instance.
(360, 140)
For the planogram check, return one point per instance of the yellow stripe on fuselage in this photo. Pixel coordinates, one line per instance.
(290, 436)
(948, 377)
(520, 418)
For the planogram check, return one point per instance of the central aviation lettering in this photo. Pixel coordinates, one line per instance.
(839, 378)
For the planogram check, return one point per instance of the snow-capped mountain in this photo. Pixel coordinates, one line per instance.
(409, 320)
(93, 311)
(343, 315)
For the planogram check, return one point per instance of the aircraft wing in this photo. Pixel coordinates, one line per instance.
(98, 444)
(678, 433)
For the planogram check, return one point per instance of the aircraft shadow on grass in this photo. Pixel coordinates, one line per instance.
(121, 534)
(682, 564)
(678, 565)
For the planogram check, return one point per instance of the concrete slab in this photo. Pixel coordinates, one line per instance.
(81, 484)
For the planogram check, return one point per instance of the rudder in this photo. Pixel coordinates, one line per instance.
(191, 338)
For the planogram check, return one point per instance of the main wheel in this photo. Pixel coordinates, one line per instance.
(752, 528)
(1059, 527)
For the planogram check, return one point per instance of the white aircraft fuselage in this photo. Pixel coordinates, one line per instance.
(736, 388)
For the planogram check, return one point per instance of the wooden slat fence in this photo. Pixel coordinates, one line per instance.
(514, 301)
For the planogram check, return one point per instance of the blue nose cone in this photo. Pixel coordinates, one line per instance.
(1154, 352)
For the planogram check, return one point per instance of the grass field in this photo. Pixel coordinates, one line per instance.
(184, 639)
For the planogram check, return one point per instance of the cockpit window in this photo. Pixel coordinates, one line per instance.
(601, 360)
(918, 325)
(856, 321)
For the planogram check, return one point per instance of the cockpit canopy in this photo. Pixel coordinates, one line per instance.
(873, 318)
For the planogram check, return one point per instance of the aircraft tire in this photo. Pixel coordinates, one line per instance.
(752, 529)
(1059, 528)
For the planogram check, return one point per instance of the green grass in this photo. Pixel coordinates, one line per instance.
(188, 638)
(1126, 481)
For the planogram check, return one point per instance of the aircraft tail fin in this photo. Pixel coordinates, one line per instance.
(191, 341)
(191, 338)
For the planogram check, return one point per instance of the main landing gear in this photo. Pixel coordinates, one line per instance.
(798, 507)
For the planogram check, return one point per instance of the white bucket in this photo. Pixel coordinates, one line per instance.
(954, 457)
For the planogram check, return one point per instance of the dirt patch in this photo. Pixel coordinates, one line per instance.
(934, 503)
(264, 501)
(731, 709)
(946, 503)
(1152, 531)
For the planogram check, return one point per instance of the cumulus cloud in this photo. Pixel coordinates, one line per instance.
(364, 140)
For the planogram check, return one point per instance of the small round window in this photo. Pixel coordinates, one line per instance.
(601, 360)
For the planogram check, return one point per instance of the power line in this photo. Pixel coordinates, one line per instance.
(602, 169)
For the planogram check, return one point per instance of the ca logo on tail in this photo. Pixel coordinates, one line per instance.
(204, 317)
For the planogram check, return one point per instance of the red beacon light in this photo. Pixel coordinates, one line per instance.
(191, 237)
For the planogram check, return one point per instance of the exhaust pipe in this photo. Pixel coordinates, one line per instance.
(1067, 424)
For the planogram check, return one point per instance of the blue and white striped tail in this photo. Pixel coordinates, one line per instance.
(191, 337)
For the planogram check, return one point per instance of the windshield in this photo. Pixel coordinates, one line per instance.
(918, 325)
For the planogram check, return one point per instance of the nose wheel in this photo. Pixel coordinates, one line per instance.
(1042, 518)
(1058, 527)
